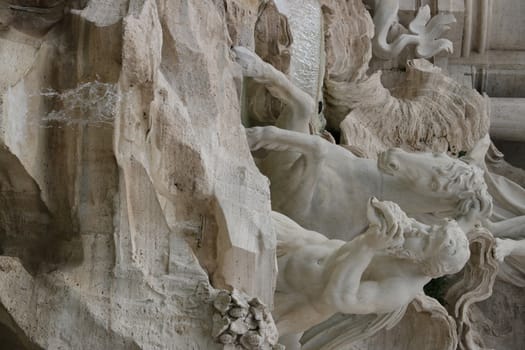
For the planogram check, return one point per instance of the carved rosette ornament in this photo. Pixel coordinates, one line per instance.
(243, 323)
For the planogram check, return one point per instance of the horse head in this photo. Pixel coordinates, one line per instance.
(455, 187)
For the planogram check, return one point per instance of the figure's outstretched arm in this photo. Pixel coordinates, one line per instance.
(277, 139)
(302, 105)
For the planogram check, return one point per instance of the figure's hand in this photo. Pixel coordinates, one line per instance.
(386, 224)
(382, 237)
(503, 248)
(252, 65)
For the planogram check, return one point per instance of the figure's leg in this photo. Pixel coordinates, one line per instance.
(301, 317)
(301, 106)
(270, 137)
(303, 170)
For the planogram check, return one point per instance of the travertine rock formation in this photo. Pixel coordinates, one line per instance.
(122, 150)
(131, 208)
(427, 112)
(348, 33)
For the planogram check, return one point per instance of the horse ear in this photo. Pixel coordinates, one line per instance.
(476, 156)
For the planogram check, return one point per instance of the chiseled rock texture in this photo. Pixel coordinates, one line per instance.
(427, 112)
(126, 180)
(348, 44)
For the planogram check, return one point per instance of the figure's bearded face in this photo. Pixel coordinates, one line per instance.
(441, 249)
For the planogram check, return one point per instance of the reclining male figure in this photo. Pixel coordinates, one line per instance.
(379, 271)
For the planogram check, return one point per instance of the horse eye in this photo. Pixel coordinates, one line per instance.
(393, 166)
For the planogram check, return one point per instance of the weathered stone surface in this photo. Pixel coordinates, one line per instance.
(239, 328)
(127, 188)
(123, 150)
(33, 17)
(500, 319)
(273, 40)
(428, 112)
(348, 33)
(472, 285)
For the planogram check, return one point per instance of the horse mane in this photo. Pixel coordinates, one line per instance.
(468, 182)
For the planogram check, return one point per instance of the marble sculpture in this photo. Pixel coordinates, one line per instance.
(322, 186)
(380, 271)
(423, 31)
(134, 216)
(505, 247)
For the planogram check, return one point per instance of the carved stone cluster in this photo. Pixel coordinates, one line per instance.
(240, 323)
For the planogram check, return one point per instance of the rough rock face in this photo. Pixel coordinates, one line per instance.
(127, 188)
(500, 319)
(272, 43)
(427, 112)
(121, 150)
(348, 44)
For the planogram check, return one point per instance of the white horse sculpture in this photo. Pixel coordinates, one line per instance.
(323, 186)
(456, 189)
